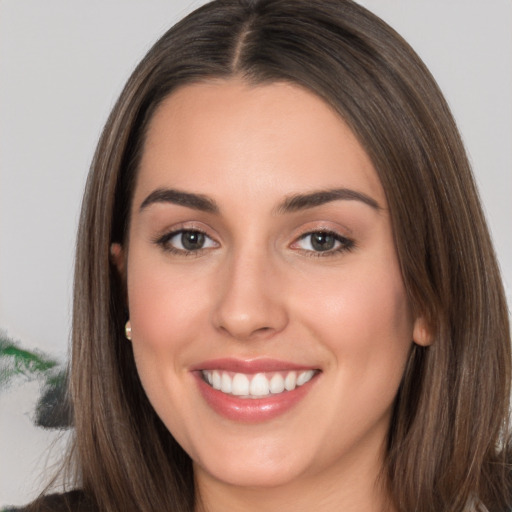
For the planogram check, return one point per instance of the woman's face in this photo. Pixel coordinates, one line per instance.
(270, 325)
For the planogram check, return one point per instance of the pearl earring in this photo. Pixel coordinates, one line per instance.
(128, 330)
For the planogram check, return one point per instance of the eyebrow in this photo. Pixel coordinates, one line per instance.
(187, 199)
(299, 202)
(294, 203)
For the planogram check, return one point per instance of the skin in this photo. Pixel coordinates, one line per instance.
(258, 288)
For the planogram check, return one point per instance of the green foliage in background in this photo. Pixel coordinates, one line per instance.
(19, 365)
(16, 363)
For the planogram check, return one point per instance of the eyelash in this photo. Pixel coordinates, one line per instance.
(345, 244)
(164, 240)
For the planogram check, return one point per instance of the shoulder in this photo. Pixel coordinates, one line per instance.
(73, 501)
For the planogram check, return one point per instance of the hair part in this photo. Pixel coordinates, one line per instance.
(448, 441)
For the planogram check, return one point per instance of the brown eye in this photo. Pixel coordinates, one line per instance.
(322, 241)
(192, 240)
(186, 241)
(326, 242)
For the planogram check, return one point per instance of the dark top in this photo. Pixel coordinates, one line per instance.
(73, 501)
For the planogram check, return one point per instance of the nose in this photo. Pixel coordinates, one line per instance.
(251, 303)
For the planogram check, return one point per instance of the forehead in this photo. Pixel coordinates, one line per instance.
(252, 136)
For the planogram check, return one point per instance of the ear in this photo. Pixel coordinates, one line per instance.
(421, 334)
(117, 257)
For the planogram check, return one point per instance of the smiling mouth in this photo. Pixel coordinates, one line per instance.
(259, 385)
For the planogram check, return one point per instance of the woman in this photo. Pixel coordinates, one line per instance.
(285, 294)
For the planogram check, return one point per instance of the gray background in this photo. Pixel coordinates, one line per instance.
(62, 65)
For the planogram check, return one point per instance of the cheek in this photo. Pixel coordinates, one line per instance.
(166, 309)
(364, 322)
(164, 305)
(363, 318)
(363, 301)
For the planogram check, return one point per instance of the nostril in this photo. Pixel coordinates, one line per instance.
(242, 333)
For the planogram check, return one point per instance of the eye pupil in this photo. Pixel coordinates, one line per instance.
(192, 240)
(322, 241)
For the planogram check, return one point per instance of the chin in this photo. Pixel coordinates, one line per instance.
(256, 475)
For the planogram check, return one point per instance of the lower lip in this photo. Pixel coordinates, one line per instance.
(252, 410)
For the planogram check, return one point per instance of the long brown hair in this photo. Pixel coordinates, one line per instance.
(448, 439)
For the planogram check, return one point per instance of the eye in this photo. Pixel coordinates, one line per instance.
(186, 241)
(323, 242)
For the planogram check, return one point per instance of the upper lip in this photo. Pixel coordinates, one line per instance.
(251, 366)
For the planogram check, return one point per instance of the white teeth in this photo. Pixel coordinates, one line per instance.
(291, 381)
(277, 383)
(225, 385)
(257, 386)
(304, 377)
(217, 380)
(240, 384)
